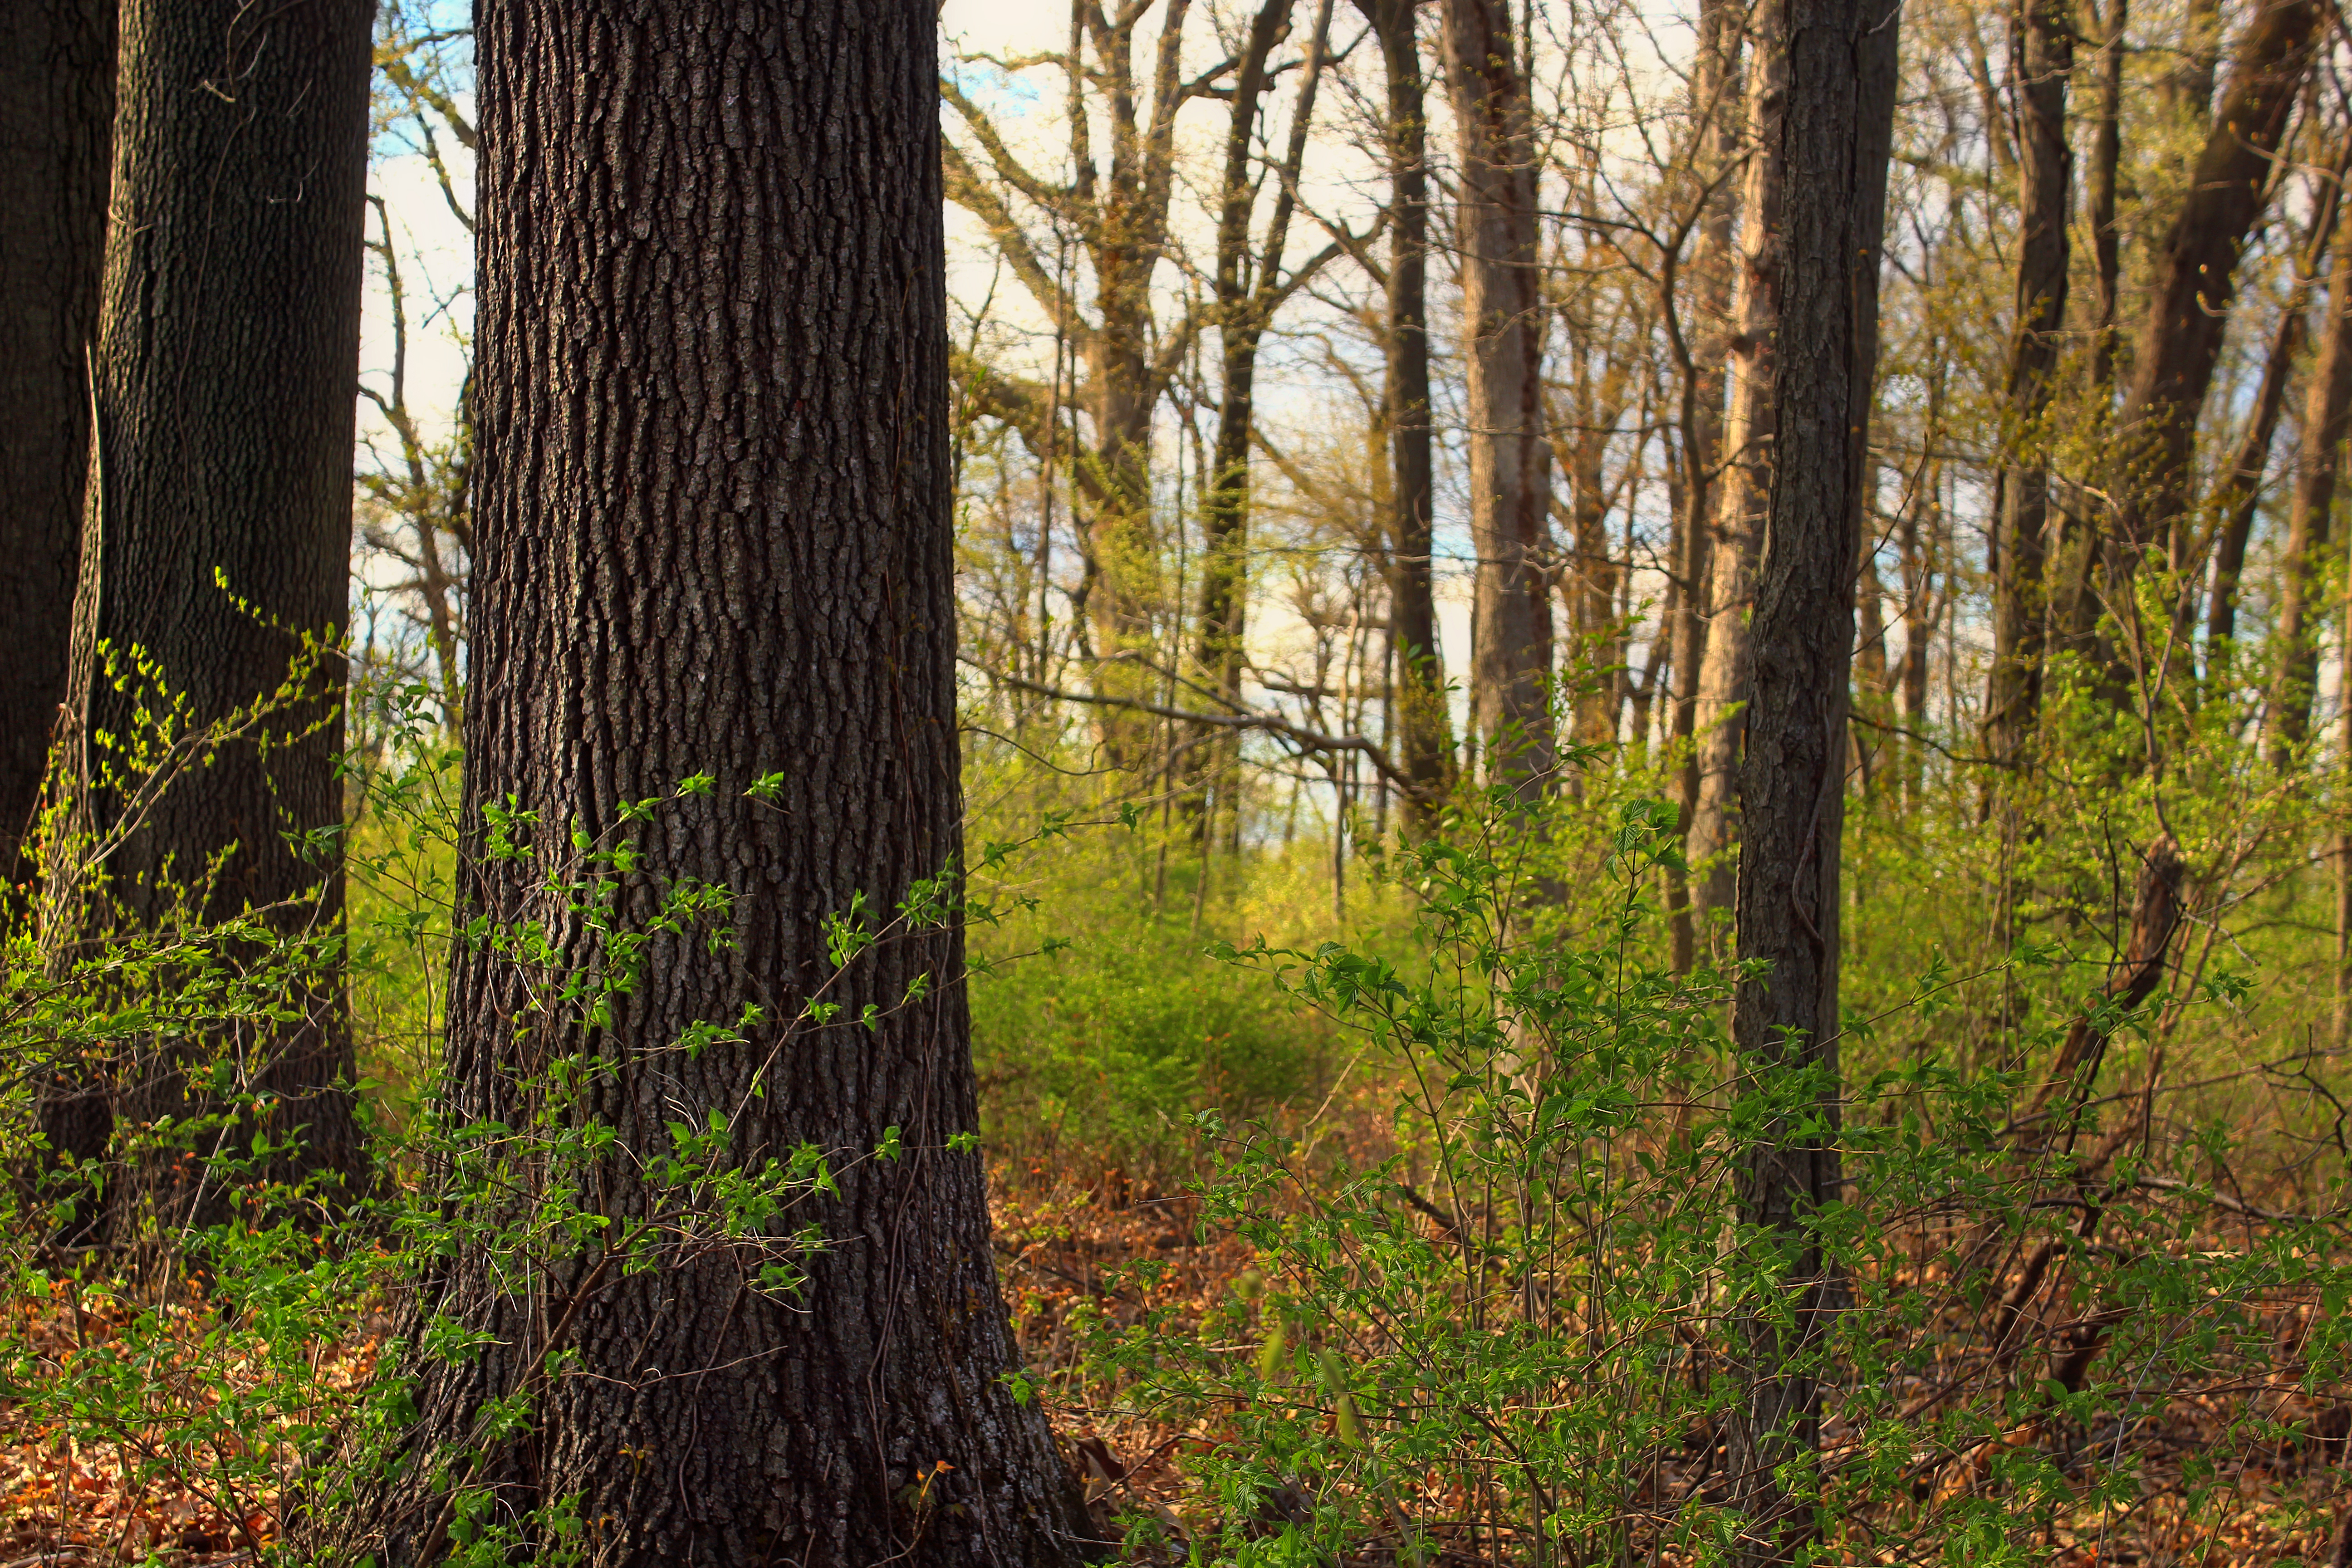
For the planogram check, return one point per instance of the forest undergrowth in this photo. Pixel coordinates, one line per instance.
(1373, 1221)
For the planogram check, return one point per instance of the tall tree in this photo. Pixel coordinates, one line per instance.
(715, 538)
(217, 527)
(2193, 280)
(1510, 460)
(1700, 342)
(2044, 54)
(2326, 419)
(57, 109)
(1424, 724)
(1116, 212)
(1749, 454)
(1251, 285)
(1835, 140)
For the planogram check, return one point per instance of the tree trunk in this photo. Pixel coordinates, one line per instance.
(2327, 416)
(1749, 440)
(1250, 284)
(1510, 459)
(1224, 510)
(2046, 54)
(2246, 470)
(716, 538)
(1425, 724)
(1835, 141)
(217, 529)
(2193, 280)
(2099, 197)
(57, 110)
(1715, 77)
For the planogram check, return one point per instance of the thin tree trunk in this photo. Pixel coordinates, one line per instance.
(2193, 280)
(57, 110)
(2046, 54)
(1423, 722)
(2246, 472)
(217, 527)
(1250, 284)
(1749, 459)
(1510, 459)
(1835, 138)
(1714, 88)
(717, 541)
(2326, 416)
(2099, 197)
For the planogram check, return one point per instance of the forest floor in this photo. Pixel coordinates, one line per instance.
(2204, 1504)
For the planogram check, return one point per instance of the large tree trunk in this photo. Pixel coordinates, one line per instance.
(217, 527)
(1424, 726)
(2193, 280)
(57, 109)
(1835, 140)
(2046, 54)
(1748, 461)
(2327, 417)
(715, 538)
(1510, 459)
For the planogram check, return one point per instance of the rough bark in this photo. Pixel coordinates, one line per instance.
(1748, 461)
(1424, 726)
(57, 110)
(1834, 140)
(226, 373)
(2326, 419)
(2192, 282)
(1510, 460)
(2044, 54)
(715, 537)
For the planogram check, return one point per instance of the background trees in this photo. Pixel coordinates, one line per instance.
(1373, 431)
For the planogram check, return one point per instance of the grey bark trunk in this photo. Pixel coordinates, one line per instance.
(1715, 78)
(1749, 462)
(1510, 459)
(715, 536)
(2045, 55)
(1424, 725)
(1834, 140)
(2327, 417)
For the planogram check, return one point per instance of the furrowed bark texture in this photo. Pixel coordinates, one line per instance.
(1749, 460)
(226, 370)
(715, 537)
(1834, 140)
(1510, 460)
(2044, 54)
(1424, 725)
(57, 109)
